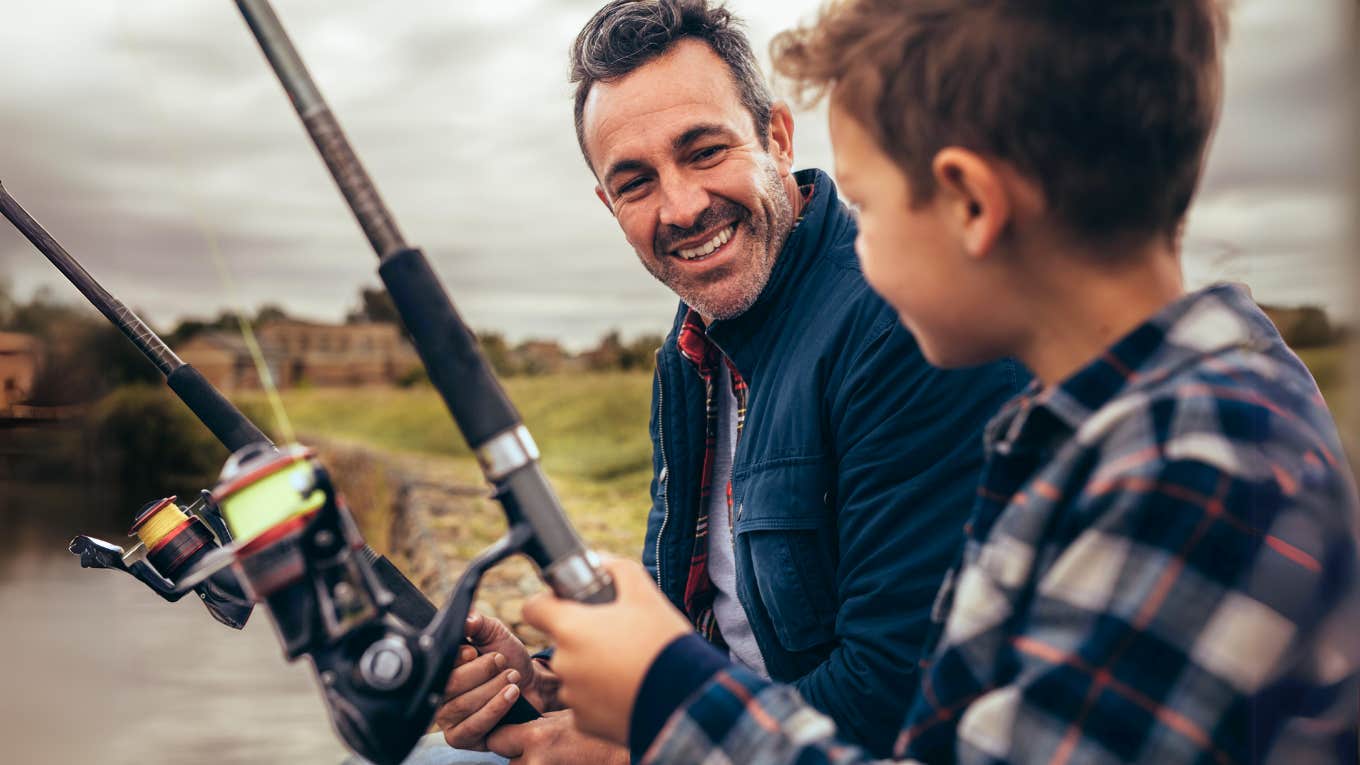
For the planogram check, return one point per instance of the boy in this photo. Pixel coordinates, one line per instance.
(1161, 562)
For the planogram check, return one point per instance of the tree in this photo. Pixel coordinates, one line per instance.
(270, 312)
(375, 305)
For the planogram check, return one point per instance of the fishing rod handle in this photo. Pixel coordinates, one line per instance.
(226, 422)
(509, 459)
(323, 128)
(124, 319)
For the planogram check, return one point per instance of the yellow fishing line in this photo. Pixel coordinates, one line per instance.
(265, 503)
(164, 521)
(173, 150)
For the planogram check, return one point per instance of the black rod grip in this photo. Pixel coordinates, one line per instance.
(456, 365)
(411, 605)
(213, 409)
(522, 712)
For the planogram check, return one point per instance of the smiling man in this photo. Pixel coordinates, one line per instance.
(812, 473)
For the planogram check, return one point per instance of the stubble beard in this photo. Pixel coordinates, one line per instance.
(739, 285)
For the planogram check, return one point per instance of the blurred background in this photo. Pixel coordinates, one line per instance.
(151, 139)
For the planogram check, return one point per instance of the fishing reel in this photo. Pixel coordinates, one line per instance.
(172, 542)
(298, 552)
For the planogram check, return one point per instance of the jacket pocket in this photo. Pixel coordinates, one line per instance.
(784, 521)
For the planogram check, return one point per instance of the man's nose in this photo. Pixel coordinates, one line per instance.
(682, 202)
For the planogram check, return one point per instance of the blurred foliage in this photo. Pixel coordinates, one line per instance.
(84, 355)
(144, 440)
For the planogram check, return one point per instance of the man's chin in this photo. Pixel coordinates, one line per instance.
(720, 308)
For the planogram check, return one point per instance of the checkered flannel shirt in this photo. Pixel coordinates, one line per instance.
(1161, 567)
(705, 355)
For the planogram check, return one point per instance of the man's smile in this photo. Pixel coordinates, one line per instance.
(708, 246)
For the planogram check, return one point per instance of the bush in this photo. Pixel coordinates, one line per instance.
(147, 442)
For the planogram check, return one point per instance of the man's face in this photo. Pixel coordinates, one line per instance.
(681, 167)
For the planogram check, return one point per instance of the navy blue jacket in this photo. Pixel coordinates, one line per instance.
(852, 479)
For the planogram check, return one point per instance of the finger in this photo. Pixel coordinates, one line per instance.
(467, 719)
(473, 674)
(465, 654)
(509, 741)
(483, 722)
(476, 713)
(481, 630)
(554, 615)
(545, 612)
(629, 575)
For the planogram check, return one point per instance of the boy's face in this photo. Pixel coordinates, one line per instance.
(913, 256)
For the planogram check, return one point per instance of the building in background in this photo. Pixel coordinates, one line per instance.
(20, 360)
(305, 353)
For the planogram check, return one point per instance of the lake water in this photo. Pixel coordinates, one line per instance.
(94, 667)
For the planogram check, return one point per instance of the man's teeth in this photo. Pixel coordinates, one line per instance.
(709, 246)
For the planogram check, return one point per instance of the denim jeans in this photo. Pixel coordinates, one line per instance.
(433, 750)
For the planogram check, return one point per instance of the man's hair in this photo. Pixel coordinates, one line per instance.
(1107, 104)
(626, 34)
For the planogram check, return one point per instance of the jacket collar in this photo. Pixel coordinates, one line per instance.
(823, 220)
(1186, 332)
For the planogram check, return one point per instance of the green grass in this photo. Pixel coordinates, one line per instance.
(1328, 366)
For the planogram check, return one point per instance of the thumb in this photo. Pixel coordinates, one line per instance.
(547, 612)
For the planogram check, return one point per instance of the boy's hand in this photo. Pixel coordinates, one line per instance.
(603, 652)
(553, 740)
(489, 676)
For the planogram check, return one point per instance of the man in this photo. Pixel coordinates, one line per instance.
(812, 472)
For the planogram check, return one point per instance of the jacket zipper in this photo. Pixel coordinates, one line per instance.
(665, 468)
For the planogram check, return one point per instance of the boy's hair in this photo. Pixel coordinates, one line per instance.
(1107, 104)
(626, 34)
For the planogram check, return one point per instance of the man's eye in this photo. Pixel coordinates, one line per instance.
(632, 185)
(708, 153)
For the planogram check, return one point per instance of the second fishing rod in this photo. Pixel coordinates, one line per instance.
(457, 367)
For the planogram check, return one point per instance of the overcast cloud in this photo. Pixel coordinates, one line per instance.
(139, 132)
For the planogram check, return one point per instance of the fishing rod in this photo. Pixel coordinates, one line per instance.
(173, 540)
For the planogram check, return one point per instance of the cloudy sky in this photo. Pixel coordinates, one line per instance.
(141, 132)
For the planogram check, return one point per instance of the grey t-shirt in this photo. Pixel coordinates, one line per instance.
(727, 610)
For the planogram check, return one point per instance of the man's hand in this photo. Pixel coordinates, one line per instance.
(489, 676)
(553, 740)
(603, 652)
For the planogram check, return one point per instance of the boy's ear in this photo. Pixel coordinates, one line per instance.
(975, 196)
(599, 192)
(781, 136)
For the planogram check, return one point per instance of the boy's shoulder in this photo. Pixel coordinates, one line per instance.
(1217, 391)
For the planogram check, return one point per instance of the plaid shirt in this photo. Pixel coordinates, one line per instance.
(705, 355)
(1161, 567)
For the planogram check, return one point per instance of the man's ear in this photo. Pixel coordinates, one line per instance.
(599, 192)
(781, 136)
(976, 197)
